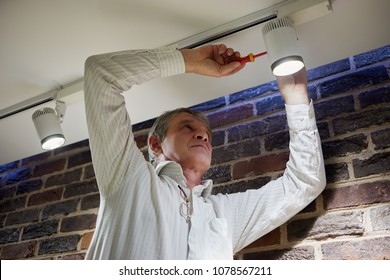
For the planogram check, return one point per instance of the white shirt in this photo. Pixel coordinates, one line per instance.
(140, 214)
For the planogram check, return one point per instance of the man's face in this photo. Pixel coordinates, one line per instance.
(188, 142)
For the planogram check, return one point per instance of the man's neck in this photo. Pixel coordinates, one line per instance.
(193, 177)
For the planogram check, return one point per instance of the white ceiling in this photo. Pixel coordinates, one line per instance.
(44, 44)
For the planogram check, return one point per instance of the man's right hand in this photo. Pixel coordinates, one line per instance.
(212, 60)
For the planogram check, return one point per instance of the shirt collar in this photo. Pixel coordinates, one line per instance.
(174, 170)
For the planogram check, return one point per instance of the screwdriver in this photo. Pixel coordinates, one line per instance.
(249, 58)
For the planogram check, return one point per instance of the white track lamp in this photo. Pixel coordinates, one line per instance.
(282, 47)
(47, 124)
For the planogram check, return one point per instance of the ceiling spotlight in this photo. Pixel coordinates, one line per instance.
(282, 46)
(47, 125)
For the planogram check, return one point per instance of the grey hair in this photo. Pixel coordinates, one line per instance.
(160, 127)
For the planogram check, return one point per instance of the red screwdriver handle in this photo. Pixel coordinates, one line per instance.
(249, 58)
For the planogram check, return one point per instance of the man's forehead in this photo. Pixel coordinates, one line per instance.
(184, 118)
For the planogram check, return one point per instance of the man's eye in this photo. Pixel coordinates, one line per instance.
(188, 126)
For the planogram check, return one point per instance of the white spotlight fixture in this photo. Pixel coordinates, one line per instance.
(47, 124)
(282, 47)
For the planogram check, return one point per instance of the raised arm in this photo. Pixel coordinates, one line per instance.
(257, 212)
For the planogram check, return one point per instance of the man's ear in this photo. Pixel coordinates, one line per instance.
(154, 145)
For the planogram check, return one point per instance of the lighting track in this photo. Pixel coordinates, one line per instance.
(303, 10)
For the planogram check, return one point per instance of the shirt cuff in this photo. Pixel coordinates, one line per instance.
(301, 117)
(171, 61)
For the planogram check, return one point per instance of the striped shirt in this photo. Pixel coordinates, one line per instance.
(142, 213)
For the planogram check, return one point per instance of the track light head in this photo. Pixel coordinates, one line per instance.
(282, 47)
(47, 125)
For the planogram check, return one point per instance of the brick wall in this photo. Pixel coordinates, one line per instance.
(49, 202)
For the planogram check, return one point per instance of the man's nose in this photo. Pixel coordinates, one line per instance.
(202, 135)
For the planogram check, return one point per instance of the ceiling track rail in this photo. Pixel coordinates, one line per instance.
(28, 104)
(221, 32)
(284, 8)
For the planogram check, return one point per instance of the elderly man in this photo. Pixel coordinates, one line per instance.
(163, 209)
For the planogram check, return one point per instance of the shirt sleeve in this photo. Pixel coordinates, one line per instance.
(257, 212)
(106, 77)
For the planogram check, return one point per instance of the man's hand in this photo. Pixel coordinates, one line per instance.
(212, 60)
(294, 87)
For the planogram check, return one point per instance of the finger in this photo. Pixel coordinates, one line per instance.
(221, 48)
(229, 52)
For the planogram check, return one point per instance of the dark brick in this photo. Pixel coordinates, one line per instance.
(253, 92)
(269, 104)
(372, 56)
(12, 204)
(363, 119)
(79, 159)
(35, 159)
(45, 197)
(260, 165)
(353, 81)
(381, 139)
(336, 172)
(297, 253)
(338, 148)
(277, 141)
(235, 151)
(271, 238)
(218, 138)
(143, 125)
(59, 244)
(72, 147)
(369, 193)
(26, 216)
(18, 175)
(29, 186)
(89, 172)
(76, 223)
(312, 92)
(323, 129)
(2, 180)
(63, 208)
(219, 174)
(78, 257)
(141, 140)
(334, 107)
(328, 69)
(90, 201)
(327, 226)
(241, 186)
(80, 188)
(380, 218)
(9, 235)
(40, 229)
(19, 251)
(230, 115)
(374, 97)
(209, 105)
(7, 192)
(9, 166)
(377, 164)
(64, 179)
(364, 249)
(309, 208)
(49, 167)
(257, 128)
(2, 220)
